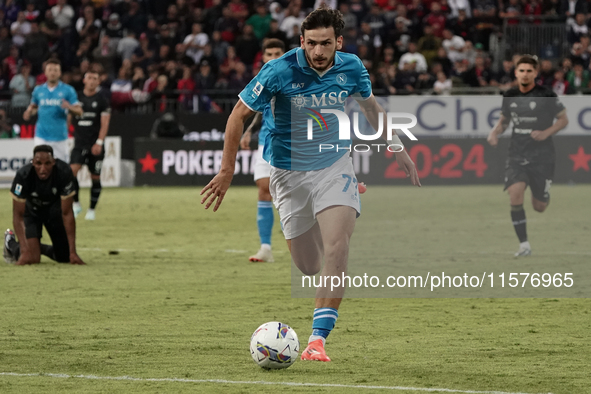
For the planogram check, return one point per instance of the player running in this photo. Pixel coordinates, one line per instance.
(532, 108)
(52, 101)
(42, 196)
(316, 195)
(90, 131)
(272, 49)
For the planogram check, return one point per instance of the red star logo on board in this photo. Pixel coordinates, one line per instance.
(580, 159)
(148, 163)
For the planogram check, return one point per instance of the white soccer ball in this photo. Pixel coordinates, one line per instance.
(274, 345)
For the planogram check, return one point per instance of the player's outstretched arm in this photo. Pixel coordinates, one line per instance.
(97, 148)
(372, 111)
(500, 127)
(29, 112)
(217, 188)
(70, 225)
(561, 123)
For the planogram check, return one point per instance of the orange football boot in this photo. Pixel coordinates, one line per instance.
(315, 352)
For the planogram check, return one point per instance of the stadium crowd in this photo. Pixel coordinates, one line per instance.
(178, 50)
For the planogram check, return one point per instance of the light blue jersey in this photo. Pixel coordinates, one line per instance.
(295, 93)
(52, 119)
(268, 123)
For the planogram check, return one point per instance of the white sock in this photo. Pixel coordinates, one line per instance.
(266, 246)
(315, 337)
(524, 245)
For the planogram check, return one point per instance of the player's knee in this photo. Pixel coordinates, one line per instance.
(311, 270)
(540, 207)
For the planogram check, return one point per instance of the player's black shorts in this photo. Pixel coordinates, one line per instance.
(54, 224)
(84, 156)
(538, 176)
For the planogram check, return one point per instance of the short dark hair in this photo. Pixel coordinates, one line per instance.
(324, 17)
(43, 148)
(528, 59)
(53, 61)
(274, 43)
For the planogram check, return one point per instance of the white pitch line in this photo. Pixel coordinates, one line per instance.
(259, 382)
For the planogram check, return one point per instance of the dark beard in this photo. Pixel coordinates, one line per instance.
(330, 63)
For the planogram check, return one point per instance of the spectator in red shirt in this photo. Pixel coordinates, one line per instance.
(186, 86)
(11, 63)
(436, 19)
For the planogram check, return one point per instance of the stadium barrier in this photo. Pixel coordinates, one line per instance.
(15, 153)
(440, 161)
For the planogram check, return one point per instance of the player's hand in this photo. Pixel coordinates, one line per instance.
(76, 260)
(405, 163)
(216, 189)
(27, 115)
(96, 150)
(24, 258)
(245, 141)
(539, 135)
(65, 104)
(492, 139)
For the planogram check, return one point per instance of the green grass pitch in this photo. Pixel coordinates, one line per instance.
(180, 300)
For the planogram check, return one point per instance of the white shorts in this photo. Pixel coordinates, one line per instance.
(262, 169)
(60, 148)
(300, 195)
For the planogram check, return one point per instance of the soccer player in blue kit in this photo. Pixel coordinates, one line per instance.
(314, 192)
(52, 101)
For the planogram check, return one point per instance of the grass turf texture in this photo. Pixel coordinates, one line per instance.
(180, 300)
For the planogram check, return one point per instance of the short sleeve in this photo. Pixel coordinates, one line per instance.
(558, 107)
(35, 96)
(67, 188)
(259, 92)
(505, 108)
(72, 96)
(363, 88)
(18, 189)
(106, 110)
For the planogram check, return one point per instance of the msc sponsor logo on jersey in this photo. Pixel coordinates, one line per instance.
(320, 100)
(51, 102)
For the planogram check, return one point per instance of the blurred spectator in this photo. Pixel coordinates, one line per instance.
(85, 22)
(578, 55)
(240, 78)
(104, 54)
(546, 74)
(127, 45)
(11, 62)
(578, 77)
(443, 60)
(227, 25)
(566, 65)
(443, 84)
(479, 74)
(456, 6)
(485, 16)
(510, 11)
(428, 44)
(275, 32)
(212, 14)
(229, 64)
(209, 56)
(247, 46)
(239, 10)
(51, 30)
(533, 8)
(293, 18)
(436, 19)
(400, 37)
(358, 7)
(114, 29)
(6, 128)
(11, 10)
(220, 47)
(186, 87)
(559, 85)
(349, 17)
(572, 7)
(31, 13)
(577, 29)
(277, 12)
(294, 41)
(163, 55)
(63, 14)
(135, 20)
(454, 46)
(505, 77)
(260, 21)
(3, 21)
(370, 39)
(20, 29)
(21, 86)
(168, 35)
(407, 77)
(376, 21)
(552, 7)
(5, 42)
(413, 56)
(462, 26)
(4, 86)
(36, 48)
(204, 80)
(195, 42)
(152, 80)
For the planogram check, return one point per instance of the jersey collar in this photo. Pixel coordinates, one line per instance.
(303, 62)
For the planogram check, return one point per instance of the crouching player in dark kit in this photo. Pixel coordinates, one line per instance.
(90, 131)
(533, 110)
(42, 194)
